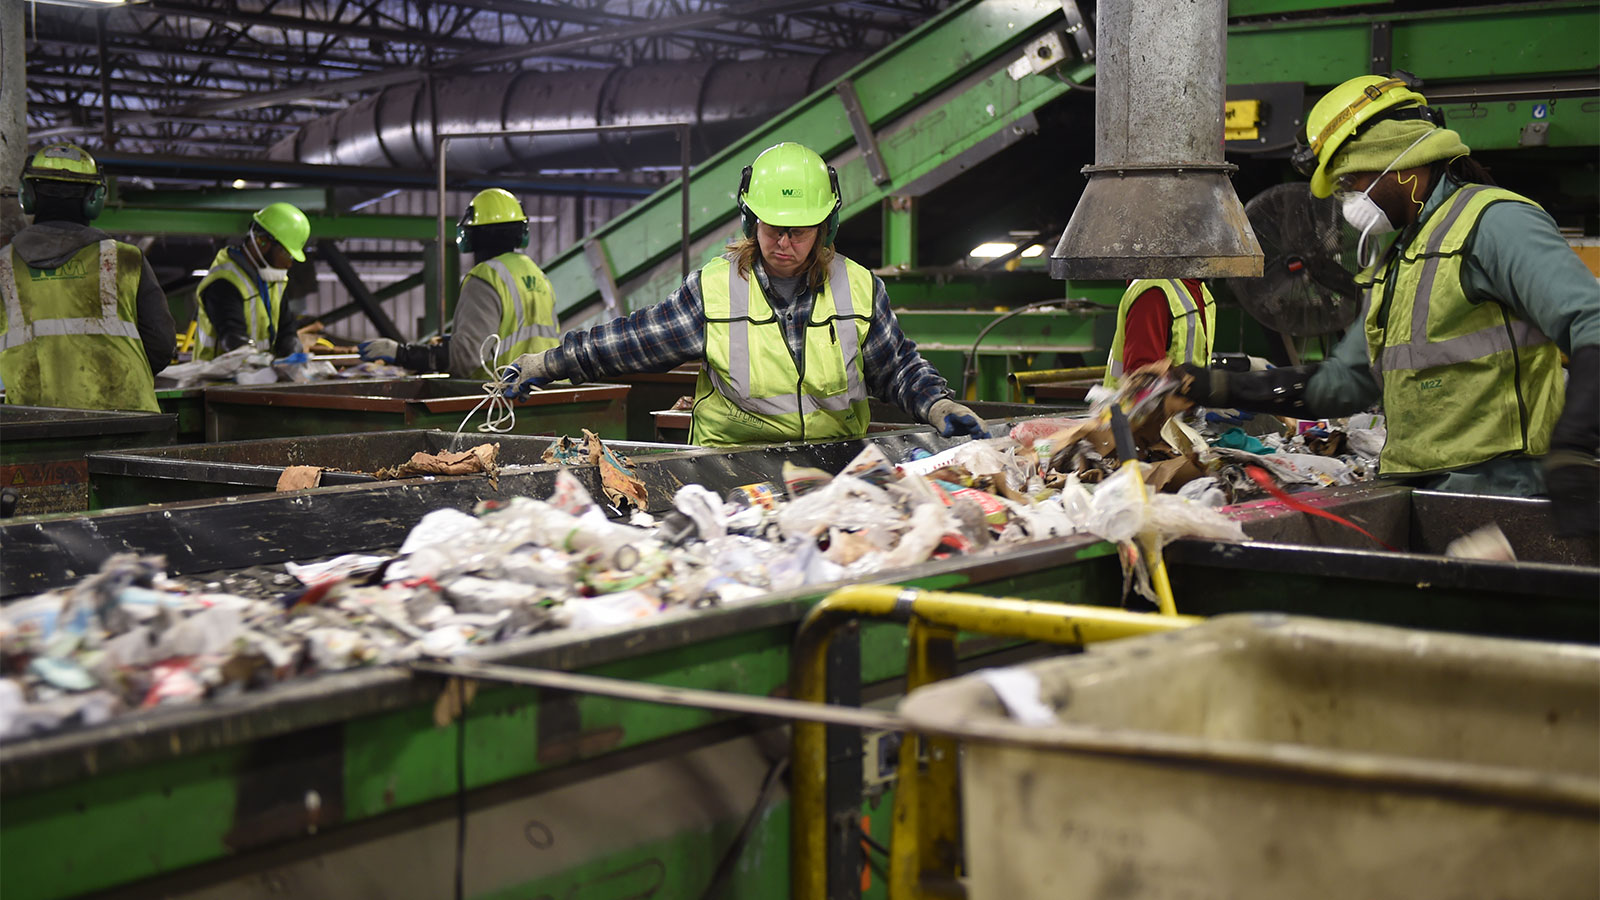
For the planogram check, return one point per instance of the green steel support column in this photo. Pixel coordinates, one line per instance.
(900, 232)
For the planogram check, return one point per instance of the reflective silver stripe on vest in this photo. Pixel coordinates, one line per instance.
(1467, 347)
(110, 324)
(849, 341)
(255, 303)
(1191, 315)
(1420, 353)
(1114, 366)
(522, 329)
(737, 388)
(16, 328)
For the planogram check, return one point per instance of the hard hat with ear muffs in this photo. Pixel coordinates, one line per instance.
(1345, 111)
(492, 206)
(66, 163)
(789, 185)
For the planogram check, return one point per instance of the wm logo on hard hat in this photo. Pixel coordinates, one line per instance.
(790, 192)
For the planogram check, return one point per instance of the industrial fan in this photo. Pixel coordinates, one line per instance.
(1304, 288)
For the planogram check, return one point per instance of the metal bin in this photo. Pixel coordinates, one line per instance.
(1266, 756)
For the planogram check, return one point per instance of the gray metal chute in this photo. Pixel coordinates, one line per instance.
(723, 100)
(1159, 202)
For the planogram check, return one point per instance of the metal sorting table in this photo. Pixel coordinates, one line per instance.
(1268, 756)
(201, 471)
(244, 413)
(210, 796)
(43, 450)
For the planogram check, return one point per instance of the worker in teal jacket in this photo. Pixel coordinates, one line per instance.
(1467, 314)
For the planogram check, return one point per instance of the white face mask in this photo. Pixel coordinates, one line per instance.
(1364, 213)
(267, 273)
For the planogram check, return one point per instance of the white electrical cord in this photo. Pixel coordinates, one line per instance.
(502, 416)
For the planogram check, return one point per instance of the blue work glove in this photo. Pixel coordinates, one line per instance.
(952, 419)
(379, 350)
(293, 359)
(532, 371)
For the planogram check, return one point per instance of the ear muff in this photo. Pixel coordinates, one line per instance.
(463, 239)
(94, 202)
(838, 201)
(747, 219)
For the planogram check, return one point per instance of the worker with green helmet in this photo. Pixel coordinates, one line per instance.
(793, 337)
(241, 298)
(86, 324)
(1468, 313)
(505, 294)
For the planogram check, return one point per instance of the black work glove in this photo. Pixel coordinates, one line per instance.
(1571, 472)
(1281, 391)
(1197, 384)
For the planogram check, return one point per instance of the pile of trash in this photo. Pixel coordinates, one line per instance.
(1201, 454)
(251, 366)
(129, 637)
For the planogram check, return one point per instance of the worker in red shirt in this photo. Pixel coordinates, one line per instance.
(1162, 318)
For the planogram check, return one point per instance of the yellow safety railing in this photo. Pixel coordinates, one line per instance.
(924, 855)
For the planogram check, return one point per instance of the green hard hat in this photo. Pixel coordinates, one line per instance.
(789, 185)
(287, 225)
(493, 207)
(62, 162)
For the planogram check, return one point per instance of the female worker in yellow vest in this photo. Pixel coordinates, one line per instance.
(504, 293)
(241, 298)
(86, 325)
(1162, 318)
(1468, 313)
(793, 336)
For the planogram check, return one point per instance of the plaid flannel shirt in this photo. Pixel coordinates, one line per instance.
(672, 332)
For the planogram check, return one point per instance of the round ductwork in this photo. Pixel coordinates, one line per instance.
(723, 99)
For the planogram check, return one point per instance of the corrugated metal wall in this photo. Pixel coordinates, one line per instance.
(556, 222)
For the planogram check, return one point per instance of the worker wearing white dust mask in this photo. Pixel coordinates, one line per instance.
(505, 294)
(1468, 312)
(241, 298)
(794, 337)
(86, 323)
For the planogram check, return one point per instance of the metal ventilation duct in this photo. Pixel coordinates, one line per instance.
(1159, 203)
(724, 100)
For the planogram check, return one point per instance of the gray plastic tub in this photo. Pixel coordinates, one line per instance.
(1262, 756)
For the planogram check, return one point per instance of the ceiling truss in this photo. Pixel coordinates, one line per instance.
(229, 77)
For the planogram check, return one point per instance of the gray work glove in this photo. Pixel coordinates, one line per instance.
(379, 350)
(533, 372)
(951, 418)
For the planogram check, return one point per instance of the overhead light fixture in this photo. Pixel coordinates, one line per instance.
(238, 183)
(1031, 252)
(200, 273)
(992, 249)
